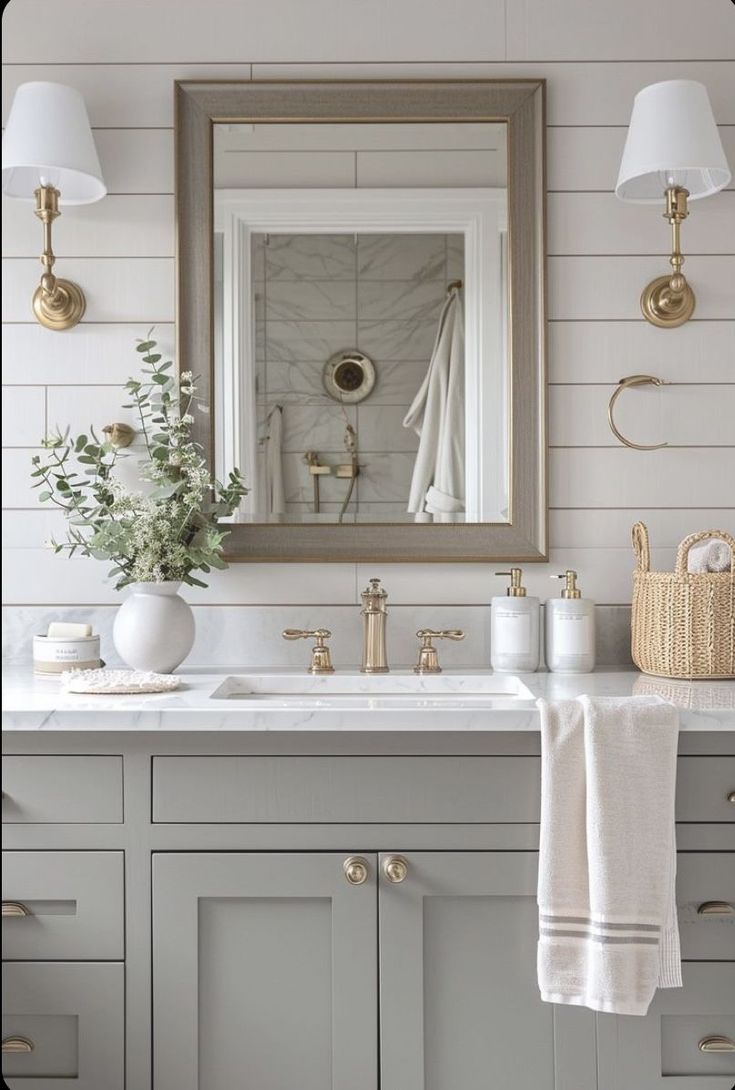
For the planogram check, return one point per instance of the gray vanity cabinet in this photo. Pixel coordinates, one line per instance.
(264, 972)
(459, 1002)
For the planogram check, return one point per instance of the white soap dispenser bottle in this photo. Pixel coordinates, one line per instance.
(570, 629)
(514, 628)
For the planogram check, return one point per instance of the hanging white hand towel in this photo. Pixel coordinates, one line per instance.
(608, 932)
(437, 416)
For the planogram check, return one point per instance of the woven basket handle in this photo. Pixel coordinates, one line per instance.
(642, 549)
(683, 550)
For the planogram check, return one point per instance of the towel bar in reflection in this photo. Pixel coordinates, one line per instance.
(632, 380)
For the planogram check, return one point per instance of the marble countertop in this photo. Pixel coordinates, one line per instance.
(38, 704)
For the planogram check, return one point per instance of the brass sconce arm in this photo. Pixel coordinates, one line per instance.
(668, 300)
(632, 380)
(57, 303)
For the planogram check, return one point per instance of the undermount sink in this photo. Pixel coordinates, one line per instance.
(355, 690)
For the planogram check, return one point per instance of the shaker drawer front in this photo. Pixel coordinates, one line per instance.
(65, 1026)
(705, 898)
(46, 790)
(687, 1039)
(705, 789)
(63, 905)
(346, 789)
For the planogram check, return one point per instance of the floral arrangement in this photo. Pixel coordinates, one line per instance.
(168, 529)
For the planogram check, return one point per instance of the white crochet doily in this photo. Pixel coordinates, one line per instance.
(117, 681)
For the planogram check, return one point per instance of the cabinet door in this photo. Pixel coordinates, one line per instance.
(459, 997)
(264, 972)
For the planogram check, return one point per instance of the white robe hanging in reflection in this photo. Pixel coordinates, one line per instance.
(437, 416)
(275, 492)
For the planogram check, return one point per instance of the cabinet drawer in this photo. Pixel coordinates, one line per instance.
(73, 901)
(346, 789)
(663, 1049)
(41, 789)
(72, 1017)
(703, 787)
(705, 898)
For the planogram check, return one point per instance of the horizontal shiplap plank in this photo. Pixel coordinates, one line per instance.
(82, 407)
(127, 95)
(117, 290)
(37, 576)
(610, 287)
(599, 351)
(681, 415)
(124, 226)
(620, 477)
(578, 93)
(284, 169)
(87, 354)
(16, 478)
(431, 168)
(566, 29)
(280, 30)
(32, 529)
(588, 158)
(599, 223)
(136, 160)
(580, 529)
(23, 410)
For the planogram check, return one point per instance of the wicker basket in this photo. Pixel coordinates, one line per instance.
(683, 624)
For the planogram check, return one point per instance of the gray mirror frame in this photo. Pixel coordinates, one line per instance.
(199, 105)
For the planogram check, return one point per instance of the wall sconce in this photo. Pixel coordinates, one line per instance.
(673, 151)
(49, 155)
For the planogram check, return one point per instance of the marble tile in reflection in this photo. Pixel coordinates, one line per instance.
(298, 381)
(316, 427)
(310, 257)
(405, 300)
(401, 257)
(385, 477)
(380, 428)
(455, 257)
(311, 300)
(290, 341)
(397, 340)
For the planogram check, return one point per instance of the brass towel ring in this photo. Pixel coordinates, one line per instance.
(633, 380)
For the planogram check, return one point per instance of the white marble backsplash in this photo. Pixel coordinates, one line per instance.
(250, 636)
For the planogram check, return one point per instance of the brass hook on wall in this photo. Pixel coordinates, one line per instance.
(633, 380)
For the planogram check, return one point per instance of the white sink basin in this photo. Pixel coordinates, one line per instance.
(342, 691)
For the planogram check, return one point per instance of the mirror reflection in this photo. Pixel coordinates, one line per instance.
(361, 365)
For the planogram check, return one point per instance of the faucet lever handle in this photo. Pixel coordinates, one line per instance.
(428, 662)
(321, 656)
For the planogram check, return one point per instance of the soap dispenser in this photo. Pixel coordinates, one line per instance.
(570, 629)
(514, 628)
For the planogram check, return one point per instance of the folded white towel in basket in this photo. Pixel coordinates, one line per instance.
(710, 555)
(608, 932)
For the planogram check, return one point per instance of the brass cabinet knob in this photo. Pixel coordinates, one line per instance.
(395, 868)
(716, 1044)
(17, 1044)
(716, 908)
(356, 870)
(14, 908)
(731, 797)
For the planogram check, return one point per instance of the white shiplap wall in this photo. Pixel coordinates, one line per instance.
(124, 56)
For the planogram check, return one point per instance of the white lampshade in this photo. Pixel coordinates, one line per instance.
(48, 141)
(672, 140)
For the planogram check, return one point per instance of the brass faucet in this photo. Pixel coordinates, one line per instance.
(374, 618)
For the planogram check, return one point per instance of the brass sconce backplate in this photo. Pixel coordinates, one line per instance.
(62, 308)
(664, 307)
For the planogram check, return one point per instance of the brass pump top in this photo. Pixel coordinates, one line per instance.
(570, 589)
(515, 590)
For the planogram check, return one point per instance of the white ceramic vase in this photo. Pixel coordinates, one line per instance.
(154, 627)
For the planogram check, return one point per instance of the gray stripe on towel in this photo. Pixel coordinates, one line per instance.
(598, 923)
(604, 940)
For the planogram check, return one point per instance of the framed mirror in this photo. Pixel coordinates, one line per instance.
(361, 295)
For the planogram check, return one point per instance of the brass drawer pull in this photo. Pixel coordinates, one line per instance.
(716, 1044)
(356, 870)
(395, 868)
(17, 1044)
(14, 908)
(731, 796)
(716, 908)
